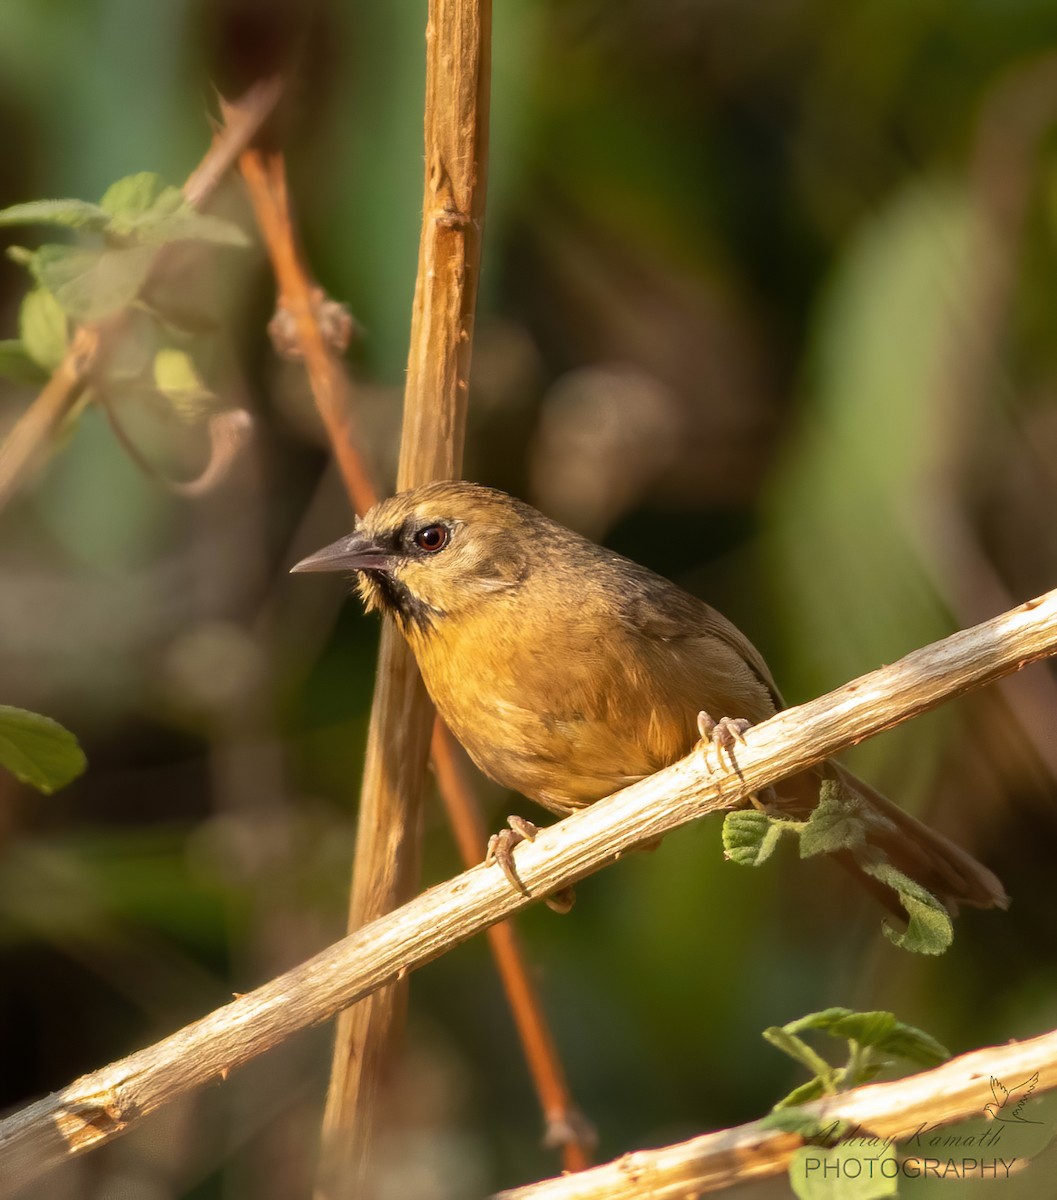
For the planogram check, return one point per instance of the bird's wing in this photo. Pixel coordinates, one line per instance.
(658, 609)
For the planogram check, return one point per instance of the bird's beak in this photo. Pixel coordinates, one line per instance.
(352, 553)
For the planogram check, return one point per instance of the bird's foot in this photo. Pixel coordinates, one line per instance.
(501, 848)
(723, 734)
(501, 852)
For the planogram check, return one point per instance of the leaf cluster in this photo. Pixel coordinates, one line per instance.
(105, 274)
(840, 822)
(874, 1040)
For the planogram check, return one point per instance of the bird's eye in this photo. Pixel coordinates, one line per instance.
(432, 538)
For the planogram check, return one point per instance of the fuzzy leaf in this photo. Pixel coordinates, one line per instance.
(785, 1040)
(187, 225)
(143, 207)
(90, 284)
(881, 1030)
(42, 324)
(16, 364)
(38, 750)
(807, 1125)
(750, 837)
(843, 1173)
(835, 823)
(73, 214)
(914, 1045)
(135, 195)
(929, 929)
(814, 1089)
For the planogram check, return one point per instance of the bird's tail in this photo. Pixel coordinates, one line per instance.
(950, 873)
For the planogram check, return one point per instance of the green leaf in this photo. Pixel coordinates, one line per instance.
(750, 837)
(16, 364)
(143, 207)
(37, 750)
(929, 929)
(914, 1045)
(785, 1040)
(843, 1173)
(885, 1032)
(879, 1029)
(807, 1125)
(135, 194)
(177, 378)
(835, 824)
(825, 1019)
(44, 329)
(90, 284)
(188, 225)
(814, 1089)
(73, 214)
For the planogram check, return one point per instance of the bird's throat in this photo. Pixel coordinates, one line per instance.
(383, 591)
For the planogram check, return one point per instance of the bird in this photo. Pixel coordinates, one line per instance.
(568, 671)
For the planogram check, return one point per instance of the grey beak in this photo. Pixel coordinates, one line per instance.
(352, 553)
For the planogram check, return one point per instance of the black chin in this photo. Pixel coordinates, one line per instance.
(397, 599)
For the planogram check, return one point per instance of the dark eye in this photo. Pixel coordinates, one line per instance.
(432, 538)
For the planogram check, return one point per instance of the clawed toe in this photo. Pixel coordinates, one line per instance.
(501, 848)
(501, 852)
(723, 734)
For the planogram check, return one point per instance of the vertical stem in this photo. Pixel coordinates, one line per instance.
(458, 39)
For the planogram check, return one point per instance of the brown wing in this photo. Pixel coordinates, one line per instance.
(659, 611)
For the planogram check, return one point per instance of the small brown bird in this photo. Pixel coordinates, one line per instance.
(568, 671)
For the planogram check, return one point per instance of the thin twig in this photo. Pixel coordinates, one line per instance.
(386, 867)
(34, 433)
(100, 1106)
(241, 122)
(265, 177)
(332, 391)
(909, 1108)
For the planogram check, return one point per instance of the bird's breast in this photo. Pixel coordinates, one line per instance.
(564, 716)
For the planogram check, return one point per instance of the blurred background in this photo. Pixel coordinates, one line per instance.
(769, 304)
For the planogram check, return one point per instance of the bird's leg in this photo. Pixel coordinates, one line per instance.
(723, 734)
(501, 852)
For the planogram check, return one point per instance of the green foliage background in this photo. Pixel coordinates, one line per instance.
(768, 304)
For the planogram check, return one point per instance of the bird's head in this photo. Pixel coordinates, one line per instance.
(436, 551)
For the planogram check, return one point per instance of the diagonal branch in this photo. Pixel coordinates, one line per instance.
(102, 1105)
(905, 1108)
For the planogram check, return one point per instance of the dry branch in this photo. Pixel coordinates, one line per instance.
(99, 1106)
(386, 866)
(959, 1089)
(34, 432)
